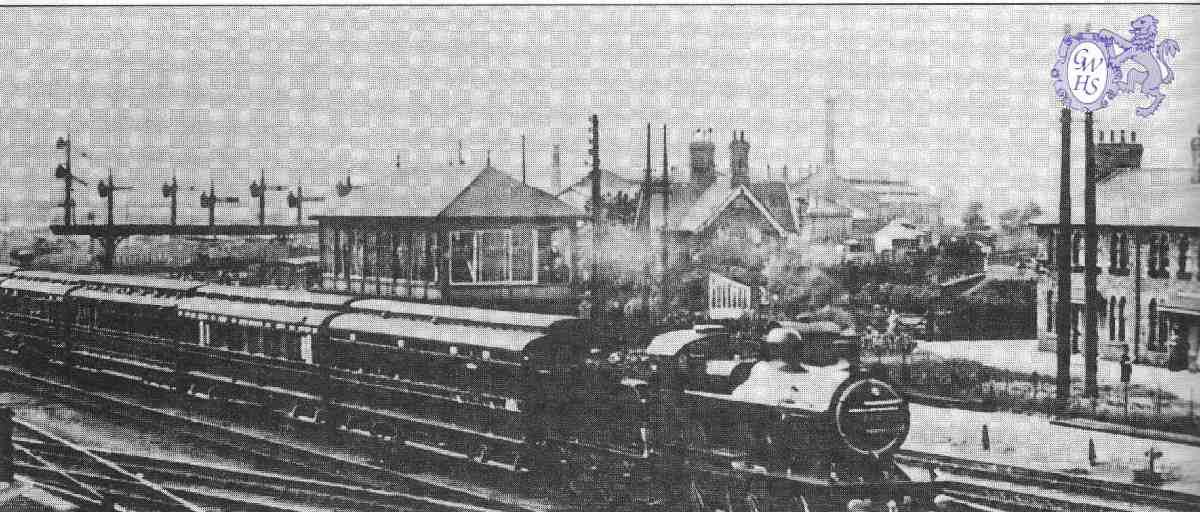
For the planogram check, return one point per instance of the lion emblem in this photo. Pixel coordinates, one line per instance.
(1151, 69)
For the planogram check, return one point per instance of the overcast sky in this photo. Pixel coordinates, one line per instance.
(956, 97)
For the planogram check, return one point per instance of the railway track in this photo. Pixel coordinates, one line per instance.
(1100, 495)
(229, 488)
(984, 486)
(300, 463)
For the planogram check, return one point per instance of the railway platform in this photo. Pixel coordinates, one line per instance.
(1033, 441)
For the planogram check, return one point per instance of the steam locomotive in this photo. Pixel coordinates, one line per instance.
(521, 392)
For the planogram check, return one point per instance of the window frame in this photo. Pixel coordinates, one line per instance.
(475, 267)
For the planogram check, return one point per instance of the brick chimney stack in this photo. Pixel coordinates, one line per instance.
(703, 163)
(739, 161)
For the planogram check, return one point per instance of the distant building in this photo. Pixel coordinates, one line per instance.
(1149, 236)
(900, 236)
(453, 236)
(717, 219)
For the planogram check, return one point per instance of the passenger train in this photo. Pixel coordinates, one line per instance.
(522, 392)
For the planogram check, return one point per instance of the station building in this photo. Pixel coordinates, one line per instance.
(1148, 222)
(454, 236)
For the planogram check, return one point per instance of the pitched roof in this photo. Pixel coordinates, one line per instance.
(450, 194)
(496, 194)
(769, 198)
(1166, 197)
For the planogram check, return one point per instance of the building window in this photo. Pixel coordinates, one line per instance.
(1051, 248)
(1123, 247)
(523, 253)
(492, 256)
(495, 255)
(1112, 319)
(1184, 256)
(1077, 250)
(553, 255)
(1050, 311)
(383, 256)
(462, 257)
(1114, 259)
(1121, 320)
(1152, 341)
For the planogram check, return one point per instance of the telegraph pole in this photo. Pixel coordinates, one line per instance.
(171, 191)
(598, 302)
(1062, 254)
(1091, 343)
(666, 203)
(648, 266)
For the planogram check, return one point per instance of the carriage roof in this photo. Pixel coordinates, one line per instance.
(487, 337)
(513, 319)
(51, 288)
(125, 298)
(207, 308)
(157, 283)
(292, 297)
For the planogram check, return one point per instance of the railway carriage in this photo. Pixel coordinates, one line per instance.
(472, 382)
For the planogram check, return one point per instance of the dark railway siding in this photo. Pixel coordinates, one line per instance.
(229, 441)
(183, 475)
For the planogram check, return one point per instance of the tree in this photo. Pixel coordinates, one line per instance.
(1013, 219)
(799, 287)
(974, 218)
